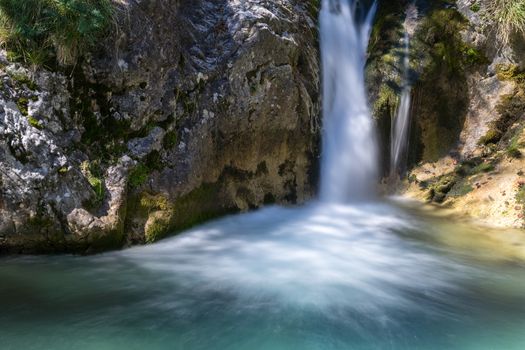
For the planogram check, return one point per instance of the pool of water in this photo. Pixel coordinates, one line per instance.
(373, 276)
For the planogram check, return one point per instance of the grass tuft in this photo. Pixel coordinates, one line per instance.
(38, 31)
(509, 16)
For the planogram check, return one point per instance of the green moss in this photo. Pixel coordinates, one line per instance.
(92, 172)
(138, 176)
(484, 167)
(461, 189)
(41, 221)
(159, 213)
(509, 72)
(63, 170)
(23, 79)
(473, 56)
(439, 188)
(510, 108)
(97, 185)
(475, 7)
(442, 89)
(474, 166)
(170, 139)
(492, 136)
(386, 100)
(150, 202)
(23, 105)
(34, 123)
(448, 47)
(158, 226)
(197, 206)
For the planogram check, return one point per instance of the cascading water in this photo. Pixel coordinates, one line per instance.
(400, 129)
(364, 275)
(401, 122)
(349, 165)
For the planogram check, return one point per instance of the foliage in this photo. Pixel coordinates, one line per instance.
(38, 30)
(509, 16)
(34, 123)
(138, 175)
(92, 173)
(492, 136)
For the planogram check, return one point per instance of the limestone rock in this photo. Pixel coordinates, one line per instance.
(216, 102)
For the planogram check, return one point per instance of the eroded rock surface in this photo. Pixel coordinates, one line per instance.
(191, 110)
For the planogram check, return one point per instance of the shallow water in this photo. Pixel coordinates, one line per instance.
(373, 276)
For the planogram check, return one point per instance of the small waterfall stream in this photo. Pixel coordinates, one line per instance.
(400, 130)
(401, 123)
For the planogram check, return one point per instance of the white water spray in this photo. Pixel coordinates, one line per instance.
(349, 166)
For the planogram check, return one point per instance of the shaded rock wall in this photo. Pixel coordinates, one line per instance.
(467, 110)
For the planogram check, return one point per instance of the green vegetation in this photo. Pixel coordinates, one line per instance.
(160, 215)
(459, 182)
(439, 190)
(473, 56)
(510, 72)
(138, 176)
(442, 87)
(492, 136)
(39, 30)
(22, 78)
(485, 167)
(473, 167)
(34, 123)
(509, 16)
(170, 139)
(92, 173)
(475, 7)
(63, 170)
(23, 104)
(460, 189)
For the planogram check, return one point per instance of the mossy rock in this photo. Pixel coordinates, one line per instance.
(158, 225)
(492, 136)
(441, 93)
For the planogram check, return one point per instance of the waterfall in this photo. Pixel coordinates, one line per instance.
(401, 122)
(400, 130)
(349, 167)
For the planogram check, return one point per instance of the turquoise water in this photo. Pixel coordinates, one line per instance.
(321, 277)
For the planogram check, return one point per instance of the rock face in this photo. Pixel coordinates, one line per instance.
(468, 110)
(191, 110)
